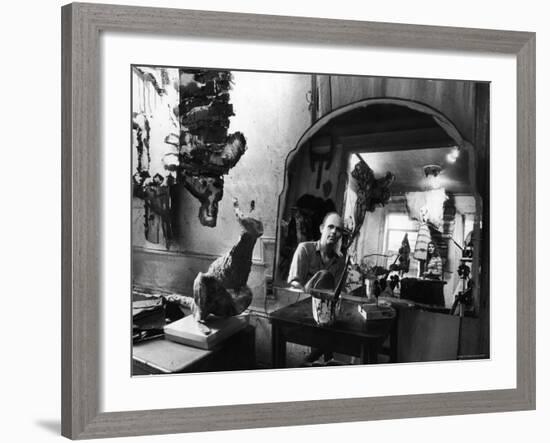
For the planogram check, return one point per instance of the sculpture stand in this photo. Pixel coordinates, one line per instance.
(192, 333)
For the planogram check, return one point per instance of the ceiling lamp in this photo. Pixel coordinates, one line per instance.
(453, 155)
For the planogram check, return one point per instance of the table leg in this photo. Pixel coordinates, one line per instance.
(278, 347)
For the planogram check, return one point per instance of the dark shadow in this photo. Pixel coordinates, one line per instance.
(53, 426)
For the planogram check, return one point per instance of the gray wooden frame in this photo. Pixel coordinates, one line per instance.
(81, 165)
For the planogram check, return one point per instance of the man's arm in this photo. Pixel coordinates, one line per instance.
(298, 268)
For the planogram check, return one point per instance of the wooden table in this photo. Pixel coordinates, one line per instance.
(351, 334)
(161, 356)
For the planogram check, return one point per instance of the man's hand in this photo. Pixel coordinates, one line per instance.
(296, 285)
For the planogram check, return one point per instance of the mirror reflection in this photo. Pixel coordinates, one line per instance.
(404, 185)
(414, 243)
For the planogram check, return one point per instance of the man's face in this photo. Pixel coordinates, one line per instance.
(331, 230)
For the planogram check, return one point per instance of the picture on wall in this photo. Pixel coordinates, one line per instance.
(306, 220)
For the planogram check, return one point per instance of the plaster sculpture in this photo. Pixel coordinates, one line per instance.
(223, 289)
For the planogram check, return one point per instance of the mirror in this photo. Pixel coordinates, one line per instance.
(420, 235)
(421, 194)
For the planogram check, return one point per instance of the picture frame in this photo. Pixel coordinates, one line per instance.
(81, 233)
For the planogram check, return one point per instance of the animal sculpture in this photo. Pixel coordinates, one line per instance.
(223, 289)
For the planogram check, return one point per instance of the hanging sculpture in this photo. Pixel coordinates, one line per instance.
(207, 152)
(180, 127)
(371, 192)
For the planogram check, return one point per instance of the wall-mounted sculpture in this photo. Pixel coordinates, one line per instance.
(155, 190)
(223, 289)
(207, 151)
(202, 168)
(180, 135)
(209, 191)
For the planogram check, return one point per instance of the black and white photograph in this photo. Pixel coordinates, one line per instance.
(290, 221)
(307, 220)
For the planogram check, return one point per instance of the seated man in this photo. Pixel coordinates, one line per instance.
(319, 264)
(323, 255)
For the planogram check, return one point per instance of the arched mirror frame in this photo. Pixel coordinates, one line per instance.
(442, 121)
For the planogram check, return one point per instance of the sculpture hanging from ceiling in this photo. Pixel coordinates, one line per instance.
(180, 136)
(371, 192)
